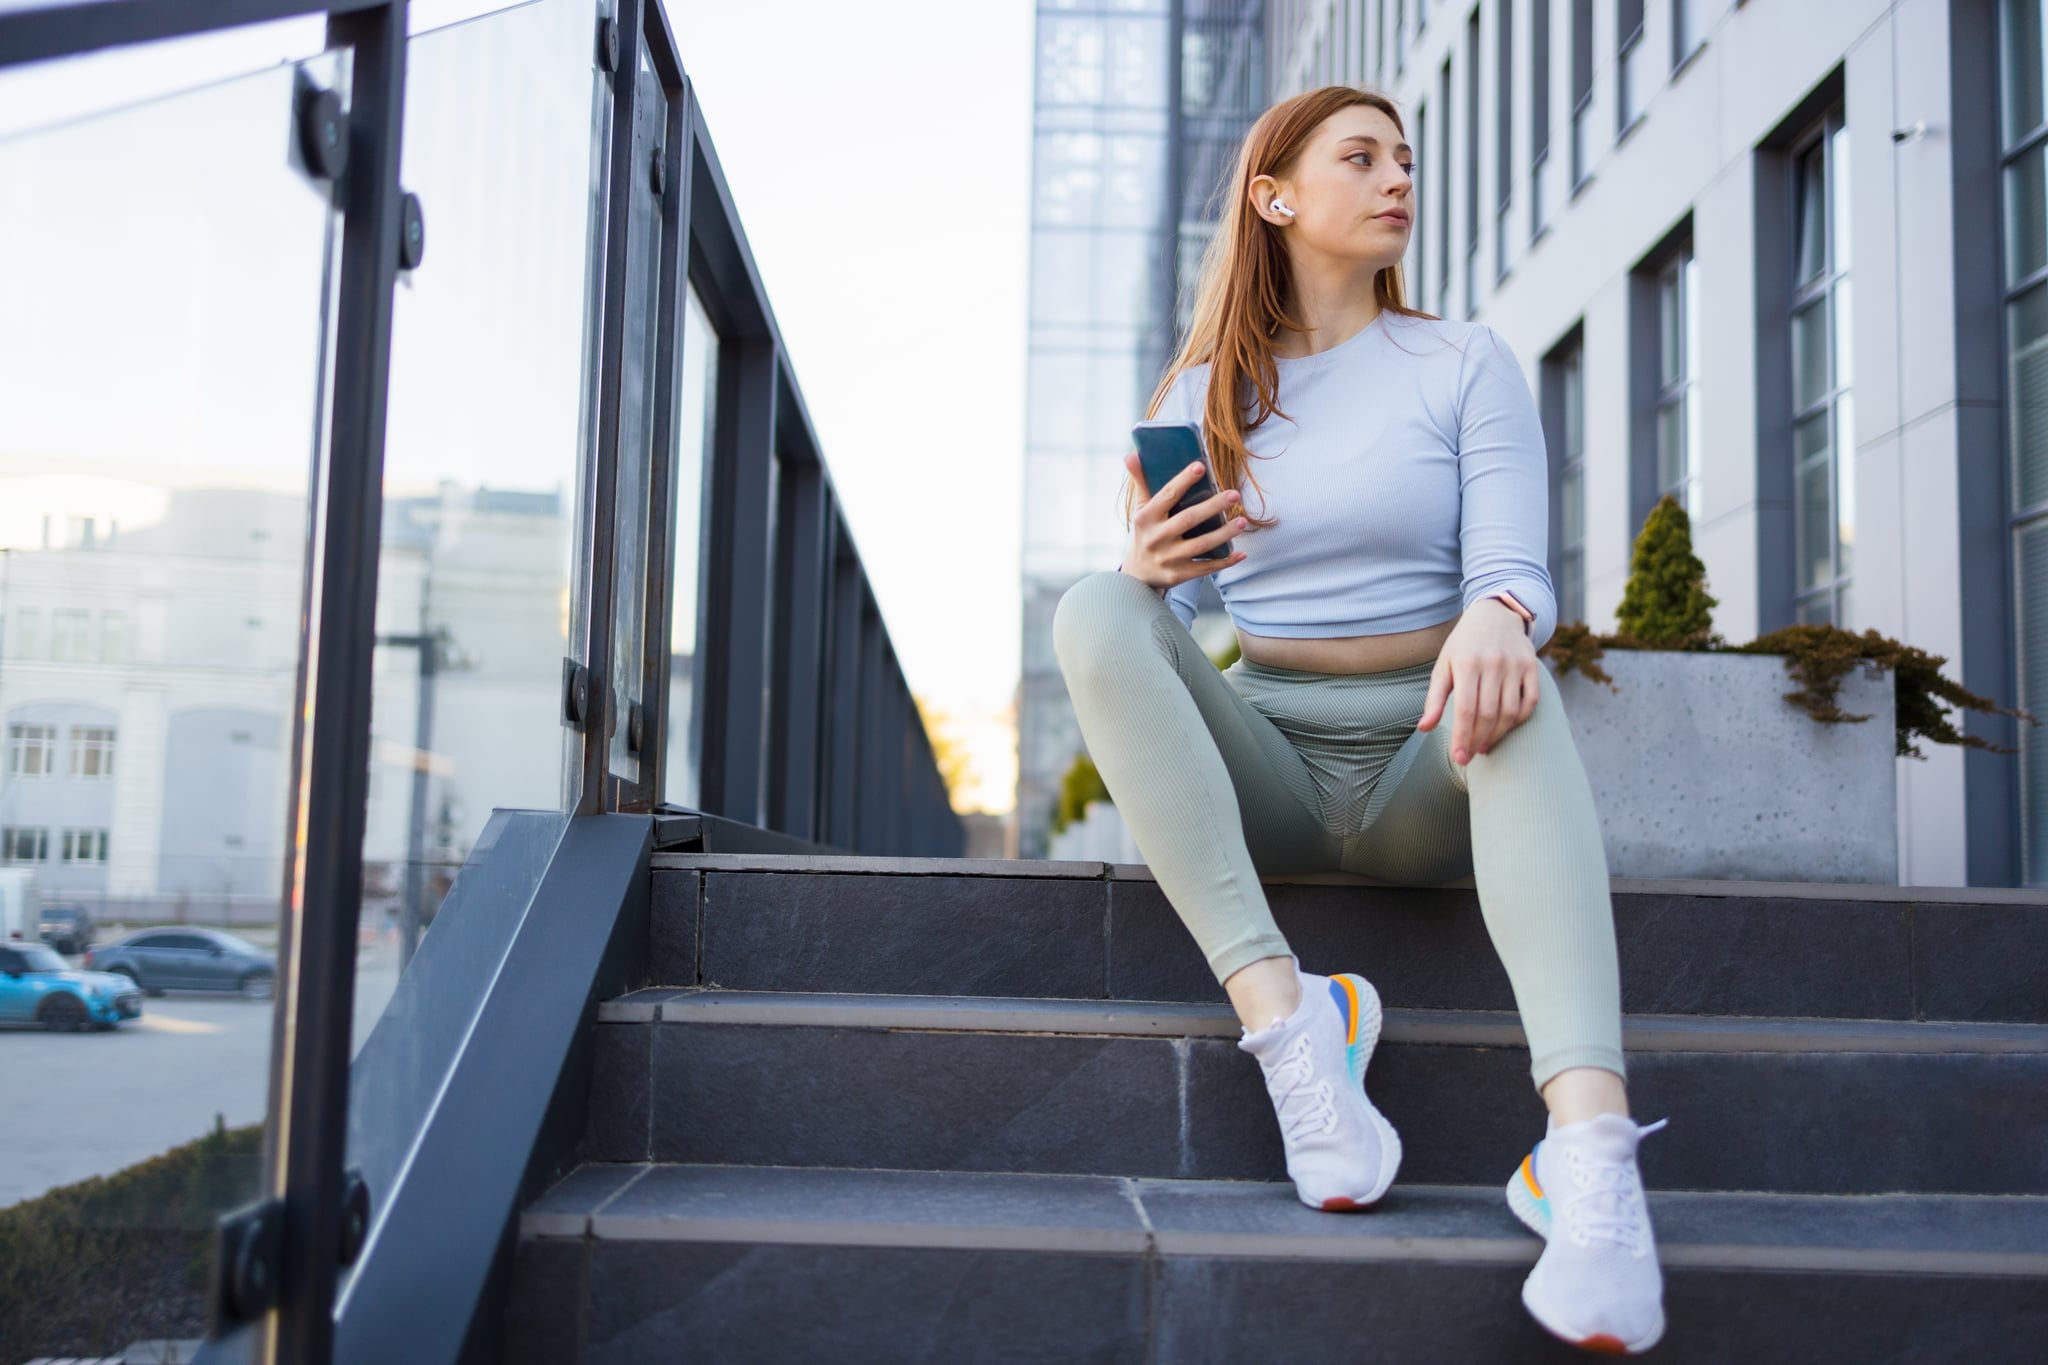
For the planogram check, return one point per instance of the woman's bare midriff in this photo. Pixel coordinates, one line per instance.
(1350, 653)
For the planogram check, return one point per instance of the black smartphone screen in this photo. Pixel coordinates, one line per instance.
(1164, 450)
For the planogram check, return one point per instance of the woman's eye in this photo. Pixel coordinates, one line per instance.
(1409, 167)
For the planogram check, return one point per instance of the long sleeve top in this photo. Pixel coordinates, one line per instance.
(1410, 479)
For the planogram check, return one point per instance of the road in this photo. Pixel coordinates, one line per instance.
(74, 1105)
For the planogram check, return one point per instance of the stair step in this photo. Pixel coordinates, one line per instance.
(656, 1261)
(1091, 931)
(1162, 1090)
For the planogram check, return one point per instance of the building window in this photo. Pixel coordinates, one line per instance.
(85, 845)
(1678, 409)
(2024, 139)
(1419, 225)
(1823, 425)
(1567, 417)
(28, 633)
(1443, 207)
(1539, 110)
(1688, 29)
(20, 845)
(1504, 137)
(70, 636)
(1472, 163)
(1582, 91)
(92, 751)
(114, 637)
(31, 750)
(1631, 65)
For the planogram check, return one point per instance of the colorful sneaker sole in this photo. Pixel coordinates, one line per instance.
(1358, 1005)
(1526, 1198)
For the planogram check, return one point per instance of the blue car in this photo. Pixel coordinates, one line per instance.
(38, 987)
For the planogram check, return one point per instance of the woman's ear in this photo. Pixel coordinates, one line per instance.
(1264, 190)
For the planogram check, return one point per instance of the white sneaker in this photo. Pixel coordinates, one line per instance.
(1597, 1284)
(1341, 1152)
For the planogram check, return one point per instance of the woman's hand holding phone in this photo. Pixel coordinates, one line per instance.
(1158, 556)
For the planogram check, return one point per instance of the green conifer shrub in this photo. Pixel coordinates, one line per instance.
(1665, 603)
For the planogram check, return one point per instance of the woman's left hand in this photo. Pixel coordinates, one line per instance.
(1489, 664)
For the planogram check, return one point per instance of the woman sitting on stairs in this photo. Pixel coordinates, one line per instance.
(1394, 578)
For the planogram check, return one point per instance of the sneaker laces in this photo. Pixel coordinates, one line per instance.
(1608, 1205)
(1315, 1110)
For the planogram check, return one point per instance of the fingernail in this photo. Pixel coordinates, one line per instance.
(1461, 755)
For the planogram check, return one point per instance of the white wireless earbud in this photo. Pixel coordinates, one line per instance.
(1279, 206)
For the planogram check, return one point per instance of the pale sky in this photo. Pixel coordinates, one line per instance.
(880, 157)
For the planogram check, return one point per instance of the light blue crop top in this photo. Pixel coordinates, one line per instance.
(1411, 482)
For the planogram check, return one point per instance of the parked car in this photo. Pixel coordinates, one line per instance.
(158, 960)
(70, 929)
(39, 987)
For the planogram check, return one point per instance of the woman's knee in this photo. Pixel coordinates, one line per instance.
(1095, 619)
(1544, 738)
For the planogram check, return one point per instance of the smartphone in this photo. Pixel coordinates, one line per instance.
(1164, 450)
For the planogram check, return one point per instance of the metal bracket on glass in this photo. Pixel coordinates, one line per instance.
(660, 174)
(355, 1215)
(575, 694)
(412, 232)
(248, 1245)
(608, 43)
(322, 128)
(635, 727)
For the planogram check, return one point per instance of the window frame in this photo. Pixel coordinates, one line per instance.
(2023, 520)
(1504, 136)
(10, 841)
(1628, 101)
(1582, 95)
(1820, 291)
(19, 744)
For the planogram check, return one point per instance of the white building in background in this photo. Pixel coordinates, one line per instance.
(1787, 260)
(148, 662)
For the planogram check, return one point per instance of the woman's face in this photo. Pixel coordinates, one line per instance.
(1351, 191)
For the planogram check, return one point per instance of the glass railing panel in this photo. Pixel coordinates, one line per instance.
(490, 428)
(166, 265)
(696, 389)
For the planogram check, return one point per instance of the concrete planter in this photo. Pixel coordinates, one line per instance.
(1701, 768)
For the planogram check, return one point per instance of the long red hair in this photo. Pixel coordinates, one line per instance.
(1244, 294)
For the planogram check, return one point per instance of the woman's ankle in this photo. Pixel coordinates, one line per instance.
(1583, 1092)
(1263, 991)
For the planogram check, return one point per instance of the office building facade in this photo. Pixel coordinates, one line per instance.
(1789, 263)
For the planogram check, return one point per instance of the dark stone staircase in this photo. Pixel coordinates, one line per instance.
(944, 1110)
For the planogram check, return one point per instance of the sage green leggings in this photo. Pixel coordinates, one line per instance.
(1222, 776)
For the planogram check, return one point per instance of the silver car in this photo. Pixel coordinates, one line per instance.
(189, 959)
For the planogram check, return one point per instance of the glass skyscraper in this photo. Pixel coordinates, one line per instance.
(1139, 106)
